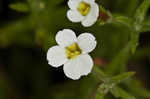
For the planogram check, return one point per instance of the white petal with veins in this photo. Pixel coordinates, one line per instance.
(86, 42)
(92, 17)
(80, 66)
(65, 37)
(74, 16)
(56, 56)
(73, 4)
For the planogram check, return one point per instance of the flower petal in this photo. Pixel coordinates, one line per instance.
(92, 17)
(65, 37)
(56, 56)
(86, 42)
(80, 66)
(73, 4)
(74, 16)
(89, 1)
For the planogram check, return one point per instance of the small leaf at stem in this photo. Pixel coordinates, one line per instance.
(120, 93)
(117, 79)
(21, 7)
(141, 12)
(134, 41)
(124, 94)
(139, 18)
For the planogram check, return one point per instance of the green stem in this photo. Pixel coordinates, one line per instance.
(99, 73)
(139, 18)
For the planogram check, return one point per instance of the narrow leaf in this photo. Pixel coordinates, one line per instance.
(102, 90)
(134, 41)
(139, 18)
(141, 11)
(115, 92)
(99, 96)
(136, 87)
(117, 79)
(145, 28)
(119, 62)
(124, 94)
(21, 7)
(99, 73)
(123, 20)
(145, 25)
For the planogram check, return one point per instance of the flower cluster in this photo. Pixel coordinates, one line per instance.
(71, 51)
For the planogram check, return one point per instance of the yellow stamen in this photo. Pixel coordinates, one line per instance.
(73, 51)
(84, 8)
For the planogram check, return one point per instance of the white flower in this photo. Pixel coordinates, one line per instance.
(84, 11)
(73, 52)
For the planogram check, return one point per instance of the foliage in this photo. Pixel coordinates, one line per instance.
(35, 31)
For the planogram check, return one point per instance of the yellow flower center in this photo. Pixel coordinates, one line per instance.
(84, 8)
(73, 51)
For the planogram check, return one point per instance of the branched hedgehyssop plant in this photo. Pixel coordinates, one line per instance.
(73, 52)
(105, 32)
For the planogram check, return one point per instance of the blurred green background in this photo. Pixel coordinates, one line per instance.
(27, 30)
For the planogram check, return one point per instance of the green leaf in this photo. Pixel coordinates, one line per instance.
(99, 73)
(119, 62)
(117, 79)
(130, 6)
(14, 33)
(145, 28)
(110, 83)
(125, 95)
(141, 12)
(123, 20)
(125, 7)
(134, 41)
(21, 7)
(122, 93)
(139, 18)
(99, 96)
(141, 53)
(145, 25)
(136, 87)
(144, 92)
(115, 92)
(102, 90)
